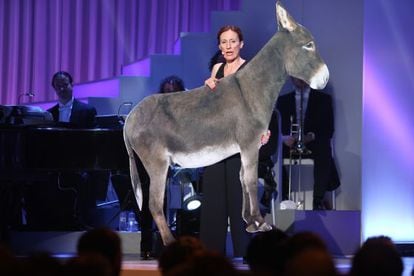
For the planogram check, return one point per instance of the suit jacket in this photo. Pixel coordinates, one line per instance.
(82, 115)
(318, 119)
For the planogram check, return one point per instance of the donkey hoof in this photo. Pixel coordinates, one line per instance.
(264, 227)
(252, 228)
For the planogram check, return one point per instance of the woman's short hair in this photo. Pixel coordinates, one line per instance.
(229, 27)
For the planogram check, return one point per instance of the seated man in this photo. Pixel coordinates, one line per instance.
(68, 109)
(66, 196)
(318, 129)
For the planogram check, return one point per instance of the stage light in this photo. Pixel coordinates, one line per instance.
(192, 202)
(188, 216)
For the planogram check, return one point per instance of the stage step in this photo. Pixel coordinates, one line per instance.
(341, 230)
(62, 242)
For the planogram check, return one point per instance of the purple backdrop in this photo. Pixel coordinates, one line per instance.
(388, 125)
(90, 39)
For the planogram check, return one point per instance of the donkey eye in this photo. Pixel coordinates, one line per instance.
(309, 46)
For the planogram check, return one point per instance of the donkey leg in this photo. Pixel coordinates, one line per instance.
(249, 163)
(158, 175)
(246, 202)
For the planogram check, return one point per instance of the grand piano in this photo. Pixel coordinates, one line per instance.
(32, 147)
(28, 145)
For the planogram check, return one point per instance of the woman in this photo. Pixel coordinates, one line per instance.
(230, 41)
(222, 194)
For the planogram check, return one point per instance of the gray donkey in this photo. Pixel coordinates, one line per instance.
(202, 127)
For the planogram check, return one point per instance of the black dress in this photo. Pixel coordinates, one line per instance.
(222, 204)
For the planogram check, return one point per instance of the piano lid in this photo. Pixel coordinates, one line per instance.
(23, 115)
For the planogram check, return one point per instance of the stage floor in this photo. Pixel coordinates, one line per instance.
(133, 266)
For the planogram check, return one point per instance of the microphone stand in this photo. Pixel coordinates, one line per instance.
(28, 94)
(126, 104)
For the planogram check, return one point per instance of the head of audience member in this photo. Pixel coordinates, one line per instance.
(178, 252)
(105, 242)
(265, 252)
(62, 82)
(171, 84)
(310, 262)
(230, 42)
(93, 264)
(205, 263)
(377, 256)
(304, 240)
(307, 248)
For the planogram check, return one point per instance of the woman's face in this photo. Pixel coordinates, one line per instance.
(230, 45)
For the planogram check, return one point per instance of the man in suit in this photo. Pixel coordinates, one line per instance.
(69, 111)
(73, 193)
(318, 129)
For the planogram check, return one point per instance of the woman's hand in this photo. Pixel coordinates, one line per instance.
(265, 137)
(211, 83)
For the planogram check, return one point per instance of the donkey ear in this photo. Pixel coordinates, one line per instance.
(284, 20)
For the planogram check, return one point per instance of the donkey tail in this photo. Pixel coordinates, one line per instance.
(135, 180)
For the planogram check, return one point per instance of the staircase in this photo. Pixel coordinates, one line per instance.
(192, 52)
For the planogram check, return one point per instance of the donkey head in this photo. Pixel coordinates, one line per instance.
(302, 60)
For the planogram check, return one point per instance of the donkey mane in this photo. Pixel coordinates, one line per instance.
(201, 127)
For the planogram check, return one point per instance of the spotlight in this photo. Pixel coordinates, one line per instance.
(190, 199)
(188, 216)
(191, 202)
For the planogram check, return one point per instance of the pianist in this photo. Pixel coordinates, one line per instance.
(70, 111)
(67, 196)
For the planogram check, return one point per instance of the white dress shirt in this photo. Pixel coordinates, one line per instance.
(65, 110)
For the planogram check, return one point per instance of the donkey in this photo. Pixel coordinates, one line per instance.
(201, 127)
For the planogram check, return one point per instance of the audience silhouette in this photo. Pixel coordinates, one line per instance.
(377, 256)
(105, 242)
(178, 252)
(205, 263)
(269, 253)
(90, 264)
(266, 252)
(312, 261)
